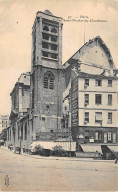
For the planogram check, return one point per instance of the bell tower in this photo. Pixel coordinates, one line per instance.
(47, 40)
(47, 76)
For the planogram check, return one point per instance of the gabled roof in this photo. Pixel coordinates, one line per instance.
(102, 44)
(48, 12)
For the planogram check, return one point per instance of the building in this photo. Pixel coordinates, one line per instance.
(77, 99)
(91, 75)
(3, 136)
(47, 76)
(20, 99)
(4, 122)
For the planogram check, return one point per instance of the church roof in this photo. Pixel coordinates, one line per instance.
(80, 51)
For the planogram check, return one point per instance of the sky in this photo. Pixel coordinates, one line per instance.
(16, 21)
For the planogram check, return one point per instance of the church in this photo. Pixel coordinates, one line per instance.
(77, 99)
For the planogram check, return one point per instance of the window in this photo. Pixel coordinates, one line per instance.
(45, 54)
(54, 47)
(45, 45)
(53, 38)
(109, 99)
(87, 134)
(48, 109)
(22, 132)
(45, 28)
(43, 119)
(65, 108)
(114, 138)
(51, 131)
(109, 83)
(49, 81)
(53, 30)
(86, 83)
(86, 120)
(98, 135)
(86, 99)
(98, 82)
(109, 136)
(109, 117)
(54, 56)
(25, 131)
(98, 117)
(45, 36)
(98, 99)
(63, 123)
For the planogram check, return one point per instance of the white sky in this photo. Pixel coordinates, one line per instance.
(16, 20)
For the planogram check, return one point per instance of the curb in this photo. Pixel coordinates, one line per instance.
(61, 158)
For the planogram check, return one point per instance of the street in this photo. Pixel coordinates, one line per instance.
(31, 173)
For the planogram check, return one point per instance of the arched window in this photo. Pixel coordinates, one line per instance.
(45, 28)
(53, 30)
(49, 80)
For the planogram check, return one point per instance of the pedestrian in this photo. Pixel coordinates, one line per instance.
(23, 148)
(116, 159)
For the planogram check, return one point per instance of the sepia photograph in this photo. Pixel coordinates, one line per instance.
(59, 96)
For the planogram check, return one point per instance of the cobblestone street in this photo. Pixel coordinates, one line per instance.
(35, 173)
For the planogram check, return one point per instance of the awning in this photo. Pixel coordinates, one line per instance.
(91, 148)
(49, 145)
(114, 148)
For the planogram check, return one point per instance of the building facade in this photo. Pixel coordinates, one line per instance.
(20, 99)
(4, 122)
(93, 94)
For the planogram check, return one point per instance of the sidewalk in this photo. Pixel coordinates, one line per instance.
(56, 158)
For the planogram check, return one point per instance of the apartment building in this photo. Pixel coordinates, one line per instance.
(4, 122)
(93, 94)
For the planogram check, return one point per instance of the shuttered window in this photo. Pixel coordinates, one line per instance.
(49, 81)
